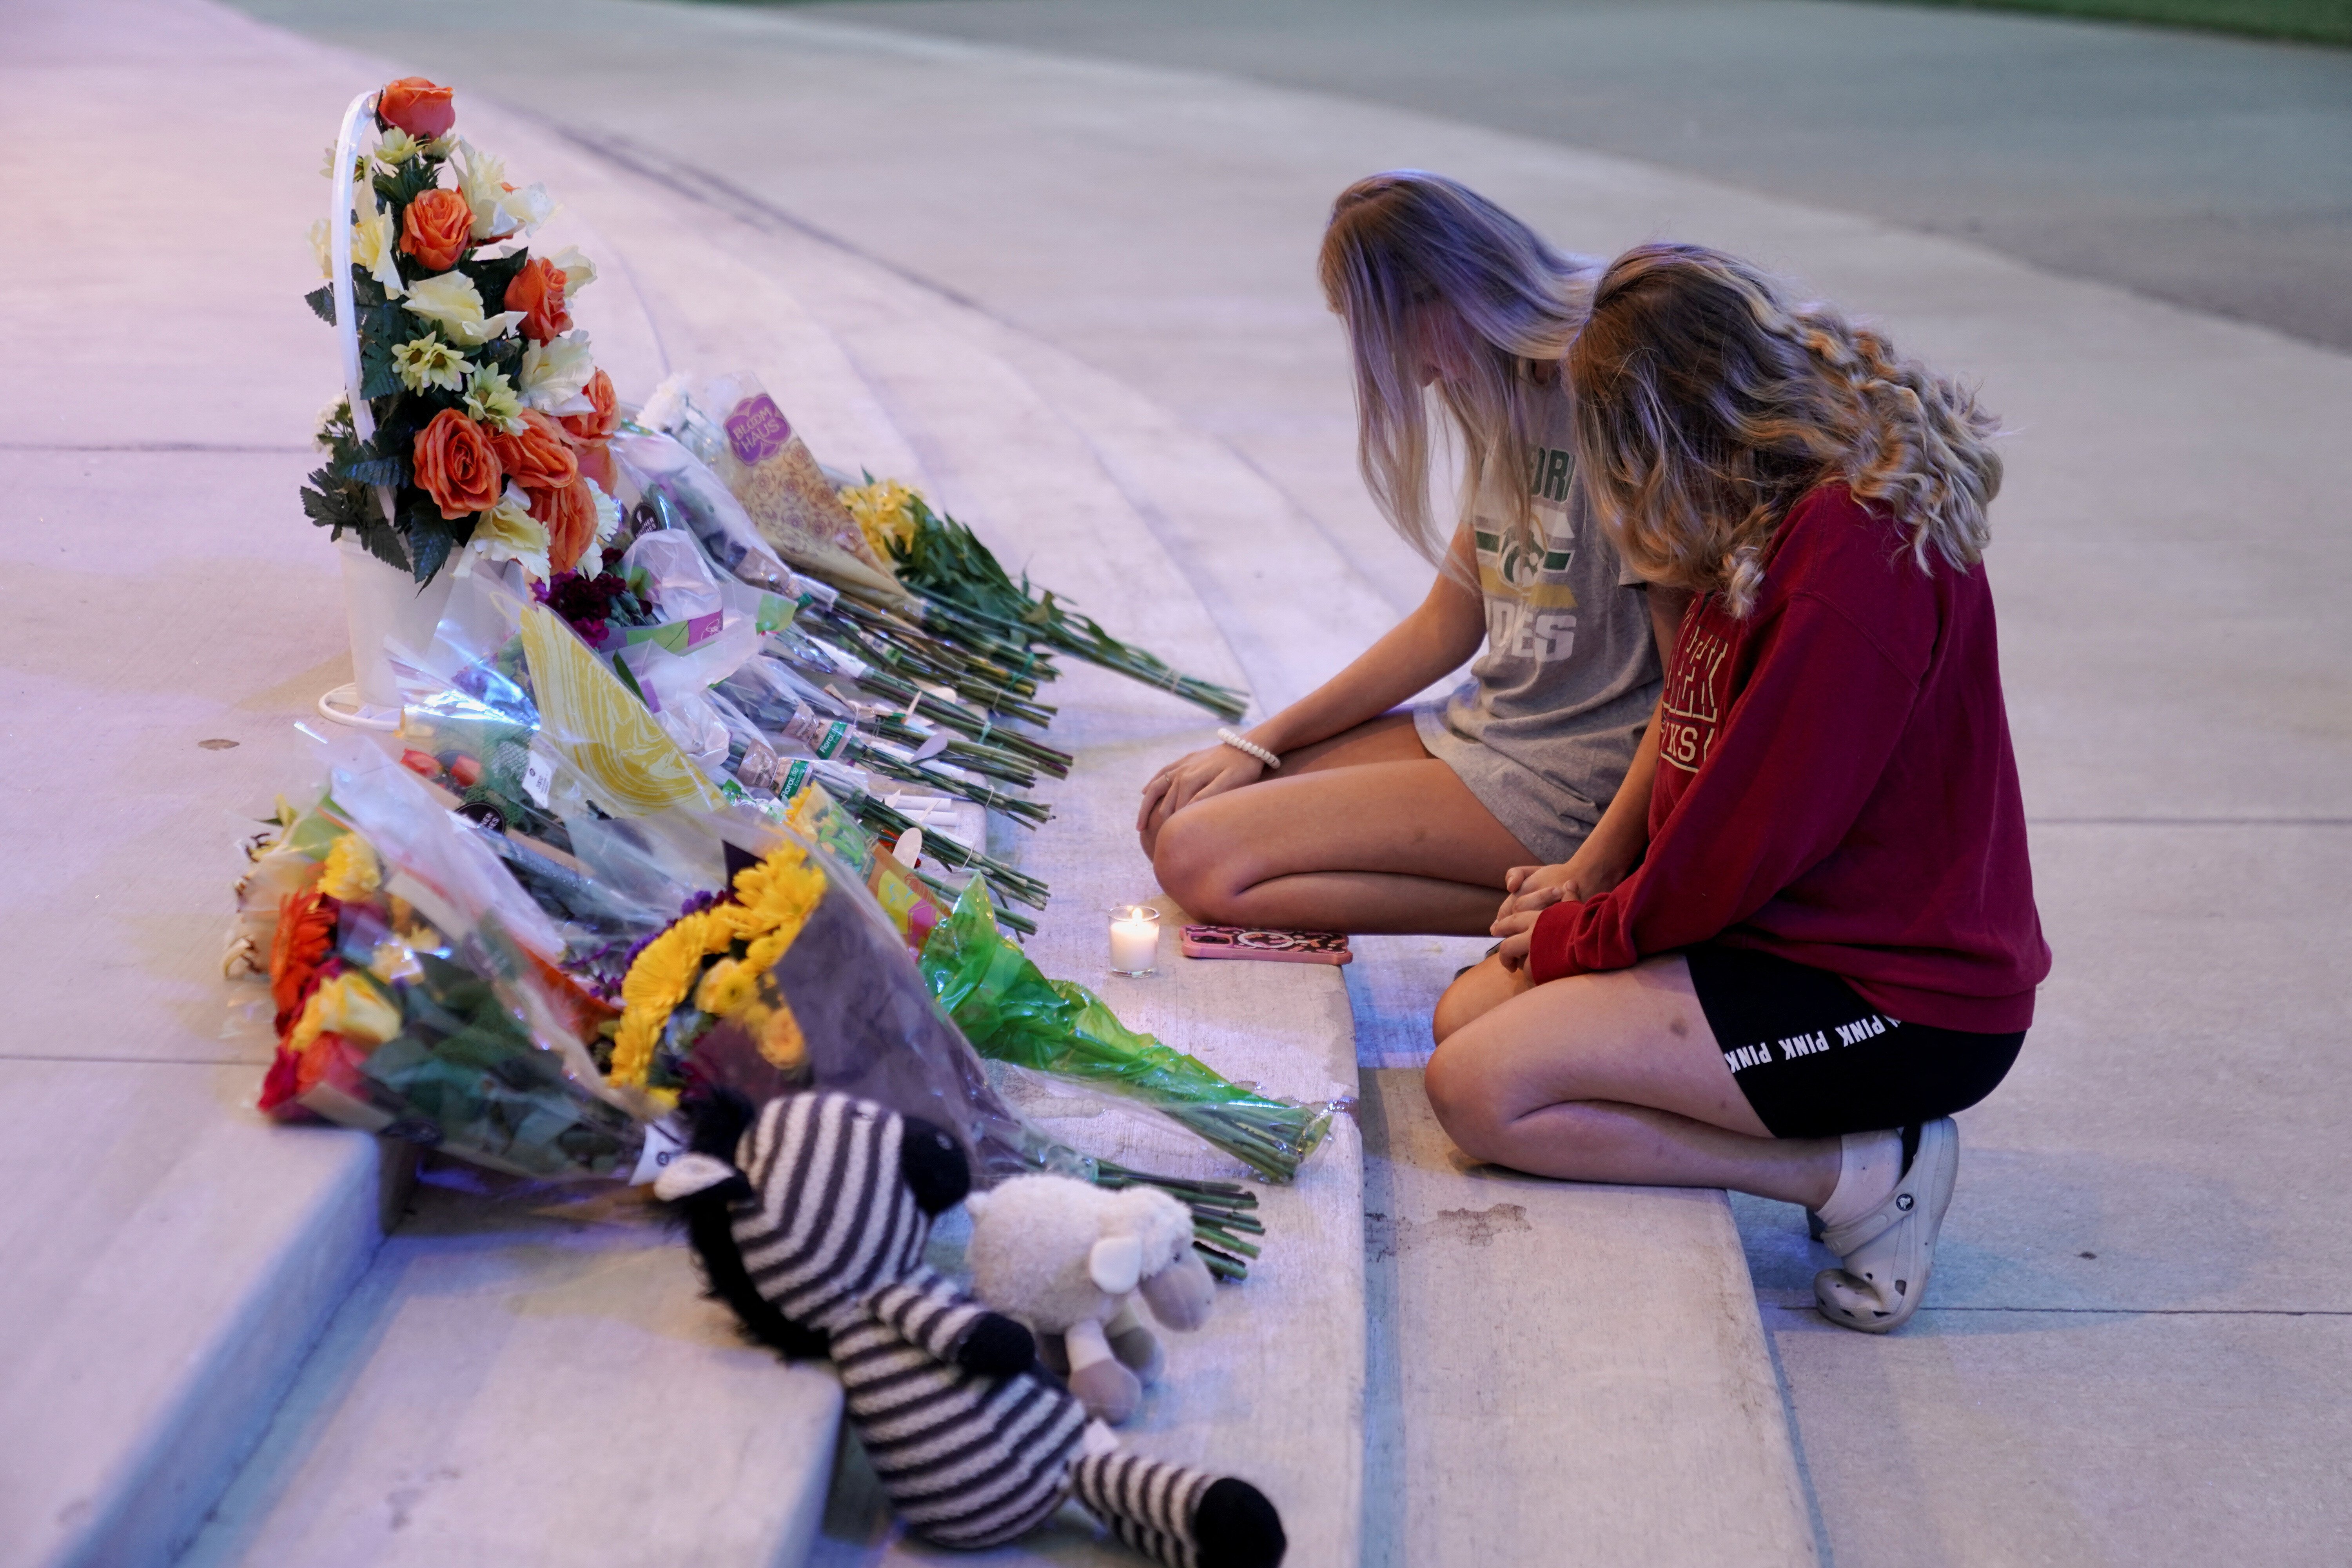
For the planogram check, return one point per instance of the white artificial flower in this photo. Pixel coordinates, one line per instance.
(481, 180)
(373, 247)
(508, 532)
(665, 408)
(452, 302)
(577, 270)
(428, 362)
(490, 400)
(555, 375)
(532, 206)
(396, 148)
(608, 523)
(498, 209)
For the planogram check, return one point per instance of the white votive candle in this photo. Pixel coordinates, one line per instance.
(1134, 939)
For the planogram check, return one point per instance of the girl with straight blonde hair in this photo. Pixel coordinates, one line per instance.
(1831, 945)
(1344, 812)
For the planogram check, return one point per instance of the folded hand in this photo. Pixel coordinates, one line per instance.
(1212, 770)
(1518, 934)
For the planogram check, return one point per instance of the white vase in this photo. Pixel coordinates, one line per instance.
(384, 605)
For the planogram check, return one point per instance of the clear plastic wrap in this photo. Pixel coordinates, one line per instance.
(683, 493)
(418, 995)
(733, 426)
(605, 781)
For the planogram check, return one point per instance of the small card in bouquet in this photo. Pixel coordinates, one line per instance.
(1280, 946)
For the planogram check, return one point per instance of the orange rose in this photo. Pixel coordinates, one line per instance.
(569, 516)
(599, 425)
(457, 465)
(538, 459)
(416, 106)
(596, 463)
(436, 228)
(538, 290)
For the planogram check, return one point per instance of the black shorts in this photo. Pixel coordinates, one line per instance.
(1814, 1059)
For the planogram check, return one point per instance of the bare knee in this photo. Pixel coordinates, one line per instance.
(1195, 863)
(1476, 992)
(1466, 1100)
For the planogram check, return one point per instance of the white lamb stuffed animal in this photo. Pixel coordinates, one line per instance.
(1069, 1257)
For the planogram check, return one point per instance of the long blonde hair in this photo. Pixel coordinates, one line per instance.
(1405, 252)
(1706, 403)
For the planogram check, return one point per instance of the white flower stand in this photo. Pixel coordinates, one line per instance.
(384, 605)
(380, 602)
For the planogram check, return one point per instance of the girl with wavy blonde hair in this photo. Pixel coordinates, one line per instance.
(1696, 456)
(1345, 811)
(1832, 943)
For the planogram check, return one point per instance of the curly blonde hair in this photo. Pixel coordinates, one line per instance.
(1706, 403)
(1409, 255)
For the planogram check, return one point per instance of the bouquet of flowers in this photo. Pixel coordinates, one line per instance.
(1012, 1013)
(481, 421)
(779, 980)
(882, 546)
(414, 993)
(506, 675)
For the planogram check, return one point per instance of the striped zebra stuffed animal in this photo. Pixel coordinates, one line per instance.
(810, 1219)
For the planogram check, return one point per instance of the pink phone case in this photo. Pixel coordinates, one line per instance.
(1275, 946)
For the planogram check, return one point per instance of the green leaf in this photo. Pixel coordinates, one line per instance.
(392, 472)
(491, 274)
(383, 541)
(500, 354)
(377, 376)
(403, 185)
(327, 502)
(322, 301)
(431, 550)
(388, 321)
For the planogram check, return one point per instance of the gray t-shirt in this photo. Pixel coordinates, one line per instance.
(1544, 729)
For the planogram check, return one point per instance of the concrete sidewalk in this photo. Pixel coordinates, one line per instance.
(2132, 1353)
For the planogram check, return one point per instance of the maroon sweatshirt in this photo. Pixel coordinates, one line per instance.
(1835, 786)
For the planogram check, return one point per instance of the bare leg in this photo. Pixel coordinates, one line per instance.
(1390, 738)
(1476, 992)
(1610, 1077)
(1364, 832)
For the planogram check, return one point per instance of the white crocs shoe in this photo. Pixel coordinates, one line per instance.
(1889, 1251)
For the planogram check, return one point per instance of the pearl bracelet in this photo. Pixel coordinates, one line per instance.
(1251, 748)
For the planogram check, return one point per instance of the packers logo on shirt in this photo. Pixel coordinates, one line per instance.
(1513, 567)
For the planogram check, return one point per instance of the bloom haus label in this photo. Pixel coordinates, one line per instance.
(757, 431)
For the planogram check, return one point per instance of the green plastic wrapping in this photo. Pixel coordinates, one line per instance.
(1012, 1013)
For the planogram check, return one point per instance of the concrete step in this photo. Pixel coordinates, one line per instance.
(530, 1382)
(170, 1258)
(1577, 1373)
